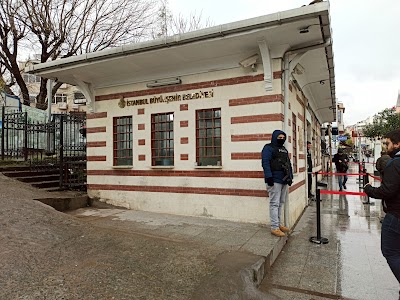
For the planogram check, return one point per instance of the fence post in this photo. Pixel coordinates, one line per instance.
(26, 136)
(61, 150)
(3, 113)
(318, 239)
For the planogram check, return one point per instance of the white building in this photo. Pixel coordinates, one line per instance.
(67, 99)
(177, 125)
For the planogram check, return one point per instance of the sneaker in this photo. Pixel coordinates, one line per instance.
(277, 232)
(284, 228)
(310, 195)
(340, 190)
(344, 186)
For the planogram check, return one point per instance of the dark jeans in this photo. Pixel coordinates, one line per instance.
(390, 243)
(342, 181)
(309, 184)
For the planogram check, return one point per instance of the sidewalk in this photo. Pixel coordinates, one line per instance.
(350, 266)
(112, 253)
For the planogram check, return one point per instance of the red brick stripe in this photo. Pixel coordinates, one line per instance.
(96, 144)
(184, 123)
(97, 158)
(97, 115)
(277, 74)
(179, 190)
(256, 100)
(302, 169)
(300, 100)
(184, 156)
(140, 111)
(257, 118)
(183, 107)
(184, 87)
(96, 129)
(141, 142)
(251, 137)
(301, 118)
(184, 140)
(173, 173)
(302, 156)
(296, 186)
(187, 190)
(141, 126)
(141, 157)
(245, 155)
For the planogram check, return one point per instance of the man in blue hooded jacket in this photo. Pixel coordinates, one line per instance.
(278, 175)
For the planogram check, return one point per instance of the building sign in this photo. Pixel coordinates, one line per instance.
(166, 99)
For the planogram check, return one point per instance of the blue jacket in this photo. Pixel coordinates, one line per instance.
(266, 157)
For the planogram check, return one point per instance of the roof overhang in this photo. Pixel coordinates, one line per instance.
(215, 48)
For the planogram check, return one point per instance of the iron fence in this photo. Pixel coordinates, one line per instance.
(60, 142)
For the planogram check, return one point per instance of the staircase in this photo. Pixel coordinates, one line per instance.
(47, 177)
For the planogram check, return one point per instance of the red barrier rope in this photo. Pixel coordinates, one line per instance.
(326, 192)
(341, 174)
(376, 178)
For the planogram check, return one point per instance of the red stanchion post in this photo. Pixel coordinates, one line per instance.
(318, 239)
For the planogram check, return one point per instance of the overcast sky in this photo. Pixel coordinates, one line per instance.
(366, 45)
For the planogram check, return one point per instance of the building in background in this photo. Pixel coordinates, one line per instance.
(68, 98)
(177, 125)
(398, 103)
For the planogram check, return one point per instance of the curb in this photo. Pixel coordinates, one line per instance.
(253, 276)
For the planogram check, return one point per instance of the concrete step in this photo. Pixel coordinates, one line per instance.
(20, 174)
(47, 184)
(38, 179)
(64, 204)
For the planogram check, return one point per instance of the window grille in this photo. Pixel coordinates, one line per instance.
(208, 137)
(122, 141)
(162, 139)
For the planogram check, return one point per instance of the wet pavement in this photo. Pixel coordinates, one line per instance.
(350, 266)
(112, 253)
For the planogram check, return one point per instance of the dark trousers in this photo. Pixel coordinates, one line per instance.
(390, 243)
(309, 184)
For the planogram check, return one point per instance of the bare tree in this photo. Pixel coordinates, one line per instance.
(11, 33)
(167, 24)
(62, 28)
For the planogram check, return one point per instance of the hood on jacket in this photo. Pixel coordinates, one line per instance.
(274, 139)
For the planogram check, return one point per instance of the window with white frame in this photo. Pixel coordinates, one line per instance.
(30, 78)
(60, 98)
(79, 98)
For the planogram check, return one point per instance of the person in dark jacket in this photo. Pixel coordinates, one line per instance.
(341, 161)
(389, 192)
(381, 162)
(278, 175)
(309, 170)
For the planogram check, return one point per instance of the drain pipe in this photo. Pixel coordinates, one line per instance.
(286, 120)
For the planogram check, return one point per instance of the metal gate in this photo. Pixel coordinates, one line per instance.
(61, 142)
(72, 130)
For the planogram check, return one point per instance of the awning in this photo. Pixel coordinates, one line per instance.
(215, 48)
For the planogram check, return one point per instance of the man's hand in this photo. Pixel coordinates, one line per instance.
(270, 181)
(289, 182)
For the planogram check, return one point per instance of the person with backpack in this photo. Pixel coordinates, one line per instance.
(278, 175)
(389, 192)
(341, 161)
(381, 162)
